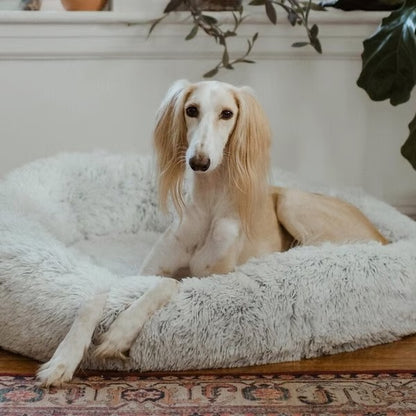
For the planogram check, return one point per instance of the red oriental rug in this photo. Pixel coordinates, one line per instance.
(246, 395)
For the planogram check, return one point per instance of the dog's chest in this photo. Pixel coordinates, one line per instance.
(215, 222)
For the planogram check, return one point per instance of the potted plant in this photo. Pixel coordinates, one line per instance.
(83, 5)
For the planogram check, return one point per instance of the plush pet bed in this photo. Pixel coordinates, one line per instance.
(76, 224)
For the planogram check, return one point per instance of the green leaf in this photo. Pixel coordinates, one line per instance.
(389, 57)
(172, 6)
(209, 19)
(408, 150)
(248, 61)
(192, 33)
(299, 44)
(316, 44)
(271, 12)
(292, 17)
(211, 73)
(314, 32)
(257, 2)
(225, 58)
(250, 47)
(255, 36)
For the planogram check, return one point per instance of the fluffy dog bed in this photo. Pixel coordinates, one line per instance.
(78, 223)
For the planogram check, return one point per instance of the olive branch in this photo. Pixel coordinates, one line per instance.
(297, 14)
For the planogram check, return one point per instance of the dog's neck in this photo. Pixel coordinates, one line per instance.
(209, 188)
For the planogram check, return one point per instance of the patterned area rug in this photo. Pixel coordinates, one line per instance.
(248, 395)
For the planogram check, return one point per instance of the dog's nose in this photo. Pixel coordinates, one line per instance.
(199, 163)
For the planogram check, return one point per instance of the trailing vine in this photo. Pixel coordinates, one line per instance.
(297, 14)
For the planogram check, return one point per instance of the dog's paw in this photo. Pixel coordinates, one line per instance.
(113, 344)
(55, 372)
(124, 330)
(117, 341)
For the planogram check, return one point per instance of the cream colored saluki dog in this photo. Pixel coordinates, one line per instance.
(221, 135)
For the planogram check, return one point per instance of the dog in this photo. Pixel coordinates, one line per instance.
(217, 136)
(222, 134)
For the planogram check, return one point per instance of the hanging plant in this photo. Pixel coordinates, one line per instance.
(297, 13)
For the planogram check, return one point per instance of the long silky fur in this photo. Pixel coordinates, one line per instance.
(170, 144)
(248, 159)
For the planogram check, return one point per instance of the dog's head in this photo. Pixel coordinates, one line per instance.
(206, 125)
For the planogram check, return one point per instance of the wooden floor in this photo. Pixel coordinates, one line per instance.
(400, 355)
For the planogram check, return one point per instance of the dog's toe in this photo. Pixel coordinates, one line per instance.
(54, 373)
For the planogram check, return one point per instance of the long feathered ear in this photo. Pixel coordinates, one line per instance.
(170, 144)
(249, 157)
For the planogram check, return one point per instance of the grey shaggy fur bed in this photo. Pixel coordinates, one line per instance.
(76, 224)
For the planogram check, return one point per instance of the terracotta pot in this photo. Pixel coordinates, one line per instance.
(83, 5)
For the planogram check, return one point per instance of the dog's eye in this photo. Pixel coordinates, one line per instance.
(226, 114)
(192, 111)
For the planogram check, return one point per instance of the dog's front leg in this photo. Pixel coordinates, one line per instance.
(174, 248)
(124, 330)
(61, 367)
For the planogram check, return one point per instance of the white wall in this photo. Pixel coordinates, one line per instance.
(67, 86)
